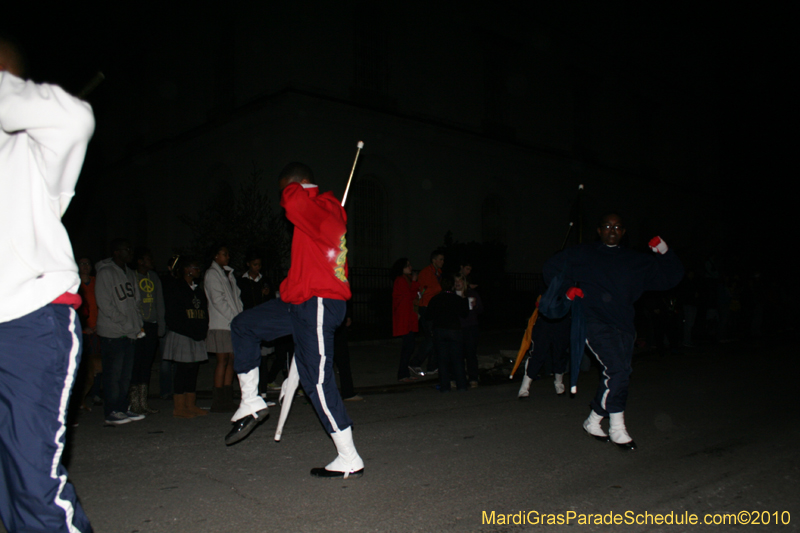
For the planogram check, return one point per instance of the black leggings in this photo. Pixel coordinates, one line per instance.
(185, 380)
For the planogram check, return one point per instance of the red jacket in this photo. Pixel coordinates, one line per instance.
(404, 319)
(319, 254)
(429, 282)
(88, 310)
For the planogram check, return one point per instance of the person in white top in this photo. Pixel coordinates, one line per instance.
(224, 303)
(43, 137)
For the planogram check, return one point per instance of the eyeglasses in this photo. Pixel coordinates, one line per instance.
(610, 227)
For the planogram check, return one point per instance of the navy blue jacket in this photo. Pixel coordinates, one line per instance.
(613, 278)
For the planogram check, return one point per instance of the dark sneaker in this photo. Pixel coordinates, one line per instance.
(116, 418)
(134, 416)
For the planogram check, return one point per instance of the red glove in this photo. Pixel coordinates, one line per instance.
(657, 245)
(572, 292)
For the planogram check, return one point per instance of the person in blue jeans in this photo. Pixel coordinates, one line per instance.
(119, 324)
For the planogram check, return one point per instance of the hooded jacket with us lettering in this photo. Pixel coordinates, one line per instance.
(116, 293)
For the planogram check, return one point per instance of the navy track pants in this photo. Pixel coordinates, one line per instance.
(39, 357)
(312, 324)
(549, 339)
(613, 349)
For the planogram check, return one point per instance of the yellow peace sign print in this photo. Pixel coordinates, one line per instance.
(146, 285)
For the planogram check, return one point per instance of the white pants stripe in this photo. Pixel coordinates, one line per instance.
(62, 420)
(605, 380)
(322, 357)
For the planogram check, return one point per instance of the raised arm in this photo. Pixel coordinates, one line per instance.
(306, 214)
(60, 124)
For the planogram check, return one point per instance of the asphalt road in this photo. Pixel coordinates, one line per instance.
(717, 431)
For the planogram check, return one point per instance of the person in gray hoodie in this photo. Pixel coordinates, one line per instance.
(151, 306)
(119, 323)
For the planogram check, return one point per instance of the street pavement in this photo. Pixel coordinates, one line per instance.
(717, 429)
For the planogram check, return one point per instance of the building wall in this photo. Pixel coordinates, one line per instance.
(478, 121)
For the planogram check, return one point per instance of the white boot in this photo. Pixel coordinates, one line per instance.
(559, 384)
(524, 388)
(252, 403)
(592, 426)
(618, 432)
(348, 463)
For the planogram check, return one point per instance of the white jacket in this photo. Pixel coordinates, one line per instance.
(224, 296)
(43, 137)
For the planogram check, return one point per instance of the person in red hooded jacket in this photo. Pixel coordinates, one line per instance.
(312, 304)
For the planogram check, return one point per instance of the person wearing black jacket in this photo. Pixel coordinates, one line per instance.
(184, 344)
(611, 279)
(253, 284)
(445, 311)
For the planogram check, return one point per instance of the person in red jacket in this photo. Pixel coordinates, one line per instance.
(91, 364)
(311, 306)
(430, 279)
(404, 318)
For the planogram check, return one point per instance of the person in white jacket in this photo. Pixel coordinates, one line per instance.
(43, 137)
(224, 303)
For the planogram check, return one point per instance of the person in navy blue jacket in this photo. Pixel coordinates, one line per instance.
(610, 278)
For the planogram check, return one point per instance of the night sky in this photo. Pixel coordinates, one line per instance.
(735, 63)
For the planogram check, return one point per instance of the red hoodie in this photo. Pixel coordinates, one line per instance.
(319, 254)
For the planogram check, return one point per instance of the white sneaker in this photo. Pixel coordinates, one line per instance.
(525, 387)
(559, 384)
(592, 426)
(619, 433)
(251, 403)
(347, 463)
(417, 371)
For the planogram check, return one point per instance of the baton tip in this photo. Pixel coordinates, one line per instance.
(360, 145)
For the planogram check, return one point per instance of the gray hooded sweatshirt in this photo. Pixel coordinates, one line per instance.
(117, 309)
